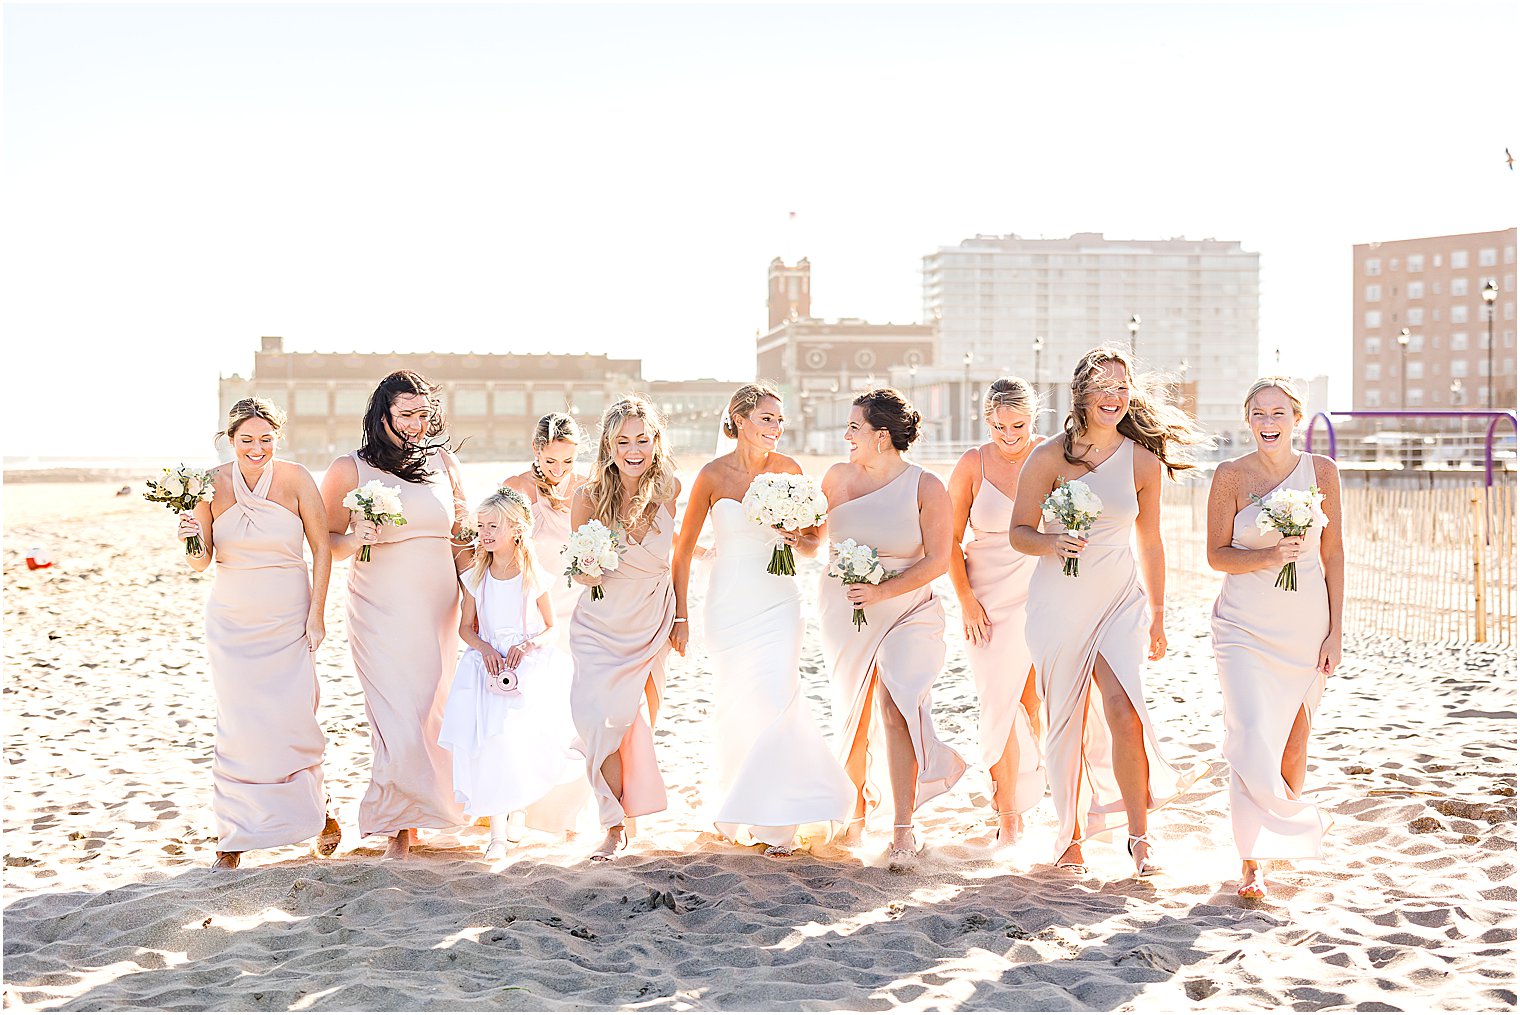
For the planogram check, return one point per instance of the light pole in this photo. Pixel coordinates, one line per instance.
(966, 362)
(1403, 368)
(1456, 402)
(1039, 347)
(1491, 293)
(1134, 335)
(912, 382)
(1183, 369)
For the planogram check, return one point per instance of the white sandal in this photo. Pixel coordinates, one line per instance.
(496, 850)
(1143, 869)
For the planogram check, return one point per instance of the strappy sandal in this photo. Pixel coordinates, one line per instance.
(843, 838)
(901, 860)
(1254, 887)
(781, 850)
(1015, 838)
(226, 861)
(329, 837)
(496, 850)
(1071, 866)
(602, 854)
(1143, 869)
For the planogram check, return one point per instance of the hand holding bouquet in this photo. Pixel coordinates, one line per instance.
(858, 564)
(378, 503)
(591, 552)
(1073, 505)
(180, 490)
(787, 503)
(1292, 513)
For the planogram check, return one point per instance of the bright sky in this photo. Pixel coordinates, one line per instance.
(180, 180)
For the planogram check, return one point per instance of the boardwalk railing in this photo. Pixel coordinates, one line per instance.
(1427, 564)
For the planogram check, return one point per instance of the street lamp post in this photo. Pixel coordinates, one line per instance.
(966, 362)
(1403, 368)
(1183, 369)
(1491, 293)
(1039, 347)
(1456, 403)
(912, 383)
(1134, 335)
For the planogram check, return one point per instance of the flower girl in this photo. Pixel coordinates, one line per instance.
(507, 720)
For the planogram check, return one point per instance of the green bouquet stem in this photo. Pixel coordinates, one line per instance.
(364, 552)
(859, 616)
(597, 593)
(1287, 578)
(194, 547)
(783, 562)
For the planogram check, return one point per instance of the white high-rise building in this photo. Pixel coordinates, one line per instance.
(1193, 303)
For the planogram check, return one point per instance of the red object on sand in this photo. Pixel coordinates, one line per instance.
(37, 558)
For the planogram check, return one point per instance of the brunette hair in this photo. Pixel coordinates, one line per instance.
(1152, 422)
(383, 447)
(556, 426)
(511, 507)
(254, 407)
(1283, 384)
(604, 487)
(886, 409)
(743, 403)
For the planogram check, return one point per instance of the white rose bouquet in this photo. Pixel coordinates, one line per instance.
(857, 564)
(1292, 513)
(592, 551)
(1073, 505)
(785, 502)
(378, 503)
(180, 490)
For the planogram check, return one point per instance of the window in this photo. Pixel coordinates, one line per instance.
(1488, 257)
(350, 402)
(1436, 261)
(1373, 398)
(1374, 293)
(1416, 371)
(1415, 262)
(470, 402)
(1483, 395)
(1374, 345)
(1416, 343)
(1458, 341)
(1459, 368)
(1416, 396)
(1459, 314)
(1416, 315)
(590, 401)
(511, 401)
(1374, 372)
(1435, 288)
(1417, 290)
(1459, 287)
(1374, 266)
(546, 400)
(1374, 319)
(1482, 368)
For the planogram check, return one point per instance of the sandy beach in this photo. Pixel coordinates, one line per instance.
(109, 903)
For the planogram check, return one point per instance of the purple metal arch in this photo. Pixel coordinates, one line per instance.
(1494, 419)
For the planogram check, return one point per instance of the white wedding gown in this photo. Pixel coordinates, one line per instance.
(777, 777)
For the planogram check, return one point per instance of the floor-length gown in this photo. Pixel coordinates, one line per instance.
(551, 531)
(1071, 621)
(403, 630)
(266, 772)
(999, 577)
(901, 650)
(513, 751)
(776, 776)
(619, 644)
(1266, 644)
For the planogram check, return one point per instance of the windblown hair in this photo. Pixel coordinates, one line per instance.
(556, 426)
(512, 509)
(245, 409)
(1152, 422)
(1283, 384)
(1010, 393)
(743, 403)
(886, 409)
(383, 447)
(604, 487)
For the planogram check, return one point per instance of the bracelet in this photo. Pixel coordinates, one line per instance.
(679, 620)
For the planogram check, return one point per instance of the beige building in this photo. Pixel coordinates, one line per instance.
(693, 411)
(820, 365)
(1421, 324)
(492, 399)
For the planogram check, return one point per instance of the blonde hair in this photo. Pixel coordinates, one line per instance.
(512, 508)
(245, 409)
(556, 426)
(1152, 422)
(1283, 384)
(604, 487)
(743, 403)
(1010, 393)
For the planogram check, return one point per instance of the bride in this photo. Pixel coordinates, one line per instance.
(778, 780)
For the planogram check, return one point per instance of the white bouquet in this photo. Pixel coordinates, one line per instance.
(857, 564)
(180, 490)
(1073, 505)
(379, 503)
(591, 551)
(1291, 512)
(786, 502)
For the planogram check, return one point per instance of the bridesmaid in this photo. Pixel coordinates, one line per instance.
(263, 624)
(880, 500)
(620, 643)
(776, 774)
(549, 484)
(1099, 626)
(1274, 648)
(403, 605)
(991, 579)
